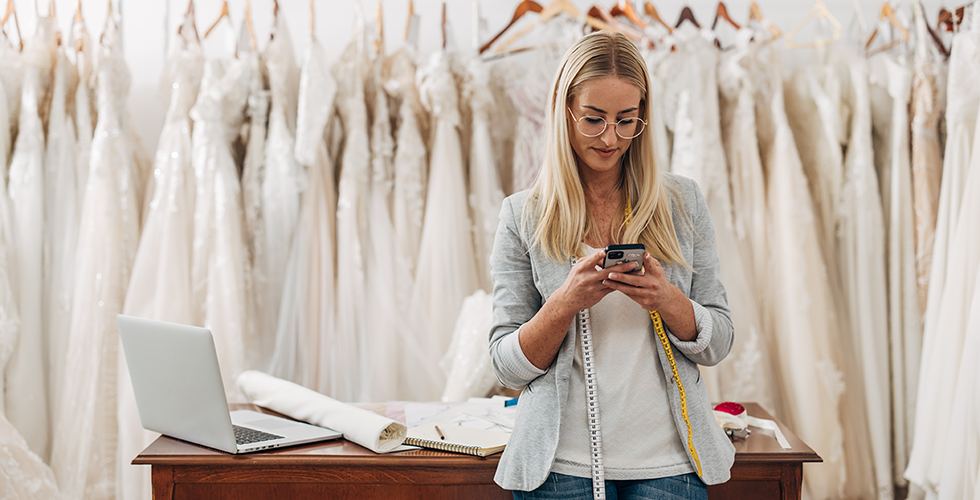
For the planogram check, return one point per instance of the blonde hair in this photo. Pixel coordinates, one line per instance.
(557, 198)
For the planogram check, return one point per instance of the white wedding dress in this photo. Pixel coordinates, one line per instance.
(796, 309)
(259, 354)
(282, 177)
(219, 266)
(411, 163)
(960, 462)
(446, 273)
(942, 335)
(26, 373)
(306, 330)
(352, 232)
(748, 375)
(893, 75)
(161, 277)
(485, 192)
(690, 102)
(86, 113)
(85, 428)
(61, 222)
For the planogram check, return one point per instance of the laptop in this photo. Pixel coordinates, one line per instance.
(179, 393)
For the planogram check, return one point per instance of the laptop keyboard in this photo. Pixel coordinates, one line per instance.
(244, 435)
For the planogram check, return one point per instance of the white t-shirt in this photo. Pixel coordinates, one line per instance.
(639, 437)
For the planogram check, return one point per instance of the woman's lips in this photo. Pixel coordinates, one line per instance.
(605, 153)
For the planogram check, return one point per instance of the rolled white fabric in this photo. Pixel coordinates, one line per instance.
(366, 428)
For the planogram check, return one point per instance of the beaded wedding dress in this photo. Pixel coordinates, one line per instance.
(26, 374)
(85, 428)
(219, 267)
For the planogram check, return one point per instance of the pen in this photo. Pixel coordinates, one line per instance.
(441, 436)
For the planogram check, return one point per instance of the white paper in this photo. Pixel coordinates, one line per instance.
(366, 428)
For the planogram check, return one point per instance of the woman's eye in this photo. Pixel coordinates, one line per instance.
(593, 120)
(627, 122)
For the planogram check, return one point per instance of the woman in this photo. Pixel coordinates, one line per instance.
(600, 185)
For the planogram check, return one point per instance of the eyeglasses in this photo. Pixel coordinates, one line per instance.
(594, 126)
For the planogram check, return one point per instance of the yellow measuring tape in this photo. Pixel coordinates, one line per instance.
(658, 326)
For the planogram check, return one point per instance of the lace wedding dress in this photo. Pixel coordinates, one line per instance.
(691, 109)
(85, 428)
(352, 203)
(446, 272)
(219, 261)
(282, 177)
(306, 330)
(942, 335)
(26, 374)
(86, 113)
(410, 162)
(61, 222)
(485, 192)
(928, 103)
(796, 309)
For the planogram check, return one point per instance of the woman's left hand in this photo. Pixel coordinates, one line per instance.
(650, 288)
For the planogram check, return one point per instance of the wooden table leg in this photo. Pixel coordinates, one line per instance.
(792, 481)
(163, 482)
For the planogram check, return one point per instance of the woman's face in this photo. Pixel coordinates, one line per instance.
(612, 98)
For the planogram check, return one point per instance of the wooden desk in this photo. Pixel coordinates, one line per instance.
(341, 469)
(762, 469)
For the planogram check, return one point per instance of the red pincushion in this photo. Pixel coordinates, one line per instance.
(730, 408)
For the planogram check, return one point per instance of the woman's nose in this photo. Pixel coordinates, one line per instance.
(609, 137)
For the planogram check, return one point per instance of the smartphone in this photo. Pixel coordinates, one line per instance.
(618, 254)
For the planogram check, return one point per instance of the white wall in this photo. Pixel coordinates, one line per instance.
(145, 21)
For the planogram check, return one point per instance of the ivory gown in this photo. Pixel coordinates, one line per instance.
(796, 311)
(282, 179)
(692, 113)
(85, 430)
(306, 331)
(446, 272)
(936, 368)
(352, 233)
(161, 274)
(26, 372)
(61, 223)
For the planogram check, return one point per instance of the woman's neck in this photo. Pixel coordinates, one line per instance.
(603, 200)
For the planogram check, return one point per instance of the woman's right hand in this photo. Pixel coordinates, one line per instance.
(584, 288)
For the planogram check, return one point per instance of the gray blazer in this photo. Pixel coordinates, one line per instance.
(524, 277)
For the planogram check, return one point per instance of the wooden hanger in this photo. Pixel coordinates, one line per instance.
(651, 11)
(551, 10)
(12, 12)
(408, 21)
(722, 13)
(597, 12)
(625, 8)
(889, 14)
(223, 15)
(443, 24)
(687, 15)
(379, 42)
(522, 8)
(818, 11)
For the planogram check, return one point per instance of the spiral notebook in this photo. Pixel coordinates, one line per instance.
(458, 439)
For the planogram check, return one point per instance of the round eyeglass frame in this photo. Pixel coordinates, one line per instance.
(605, 124)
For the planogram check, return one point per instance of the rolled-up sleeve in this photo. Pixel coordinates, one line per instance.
(712, 316)
(515, 300)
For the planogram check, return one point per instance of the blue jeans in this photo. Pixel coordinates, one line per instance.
(560, 486)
